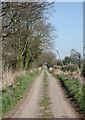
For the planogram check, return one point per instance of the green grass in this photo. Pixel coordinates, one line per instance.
(13, 93)
(0, 104)
(75, 90)
(45, 102)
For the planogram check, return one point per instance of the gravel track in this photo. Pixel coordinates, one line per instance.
(60, 106)
(30, 106)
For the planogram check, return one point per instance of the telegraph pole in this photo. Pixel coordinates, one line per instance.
(59, 57)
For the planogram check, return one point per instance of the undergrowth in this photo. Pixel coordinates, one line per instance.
(12, 94)
(75, 90)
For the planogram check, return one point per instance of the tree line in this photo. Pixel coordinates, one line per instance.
(25, 32)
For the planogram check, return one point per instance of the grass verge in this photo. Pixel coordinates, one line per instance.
(12, 94)
(45, 102)
(75, 91)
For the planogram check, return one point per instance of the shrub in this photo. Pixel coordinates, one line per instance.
(70, 67)
(83, 70)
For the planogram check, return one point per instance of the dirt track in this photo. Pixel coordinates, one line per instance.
(30, 107)
(60, 107)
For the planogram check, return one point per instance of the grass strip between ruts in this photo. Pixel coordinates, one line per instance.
(45, 102)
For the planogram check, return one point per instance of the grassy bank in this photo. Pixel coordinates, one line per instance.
(75, 90)
(0, 104)
(45, 102)
(13, 93)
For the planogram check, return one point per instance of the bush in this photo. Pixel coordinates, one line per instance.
(83, 70)
(70, 67)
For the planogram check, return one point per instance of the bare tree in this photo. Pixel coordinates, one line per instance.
(25, 31)
(76, 57)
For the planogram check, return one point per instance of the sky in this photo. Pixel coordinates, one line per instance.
(67, 18)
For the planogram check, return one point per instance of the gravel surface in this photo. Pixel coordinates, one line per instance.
(60, 106)
(30, 106)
